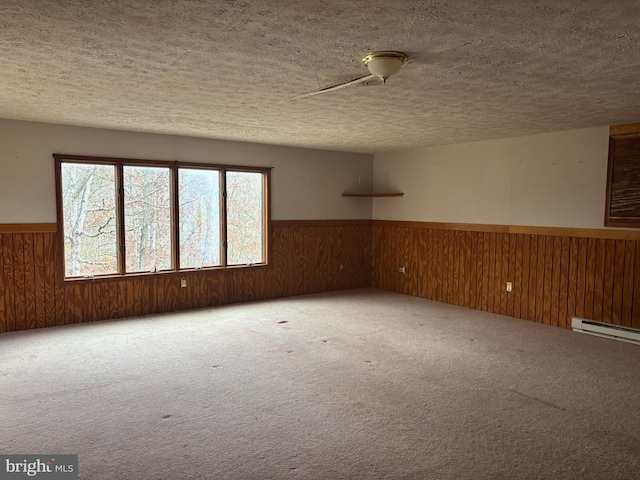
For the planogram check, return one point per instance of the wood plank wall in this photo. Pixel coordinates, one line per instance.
(555, 277)
(306, 258)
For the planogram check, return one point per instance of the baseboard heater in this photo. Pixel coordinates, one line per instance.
(606, 330)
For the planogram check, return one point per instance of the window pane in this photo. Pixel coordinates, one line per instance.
(89, 219)
(245, 209)
(199, 199)
(147, 218)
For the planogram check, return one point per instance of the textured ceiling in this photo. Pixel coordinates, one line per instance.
(230, 69)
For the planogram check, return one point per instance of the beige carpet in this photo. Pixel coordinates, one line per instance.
(358, 384)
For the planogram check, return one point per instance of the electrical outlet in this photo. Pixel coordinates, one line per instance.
(183, 282)
(509, 286)
(401, 270)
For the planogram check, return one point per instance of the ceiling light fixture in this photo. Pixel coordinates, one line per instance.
(384, 64)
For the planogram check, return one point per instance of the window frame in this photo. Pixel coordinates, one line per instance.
(173, 167)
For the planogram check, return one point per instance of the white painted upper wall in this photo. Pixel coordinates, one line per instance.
(306, 184)
(553, 180)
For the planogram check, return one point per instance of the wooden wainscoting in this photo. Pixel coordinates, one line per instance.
(556, 273)
(585, 273)
(305, 258)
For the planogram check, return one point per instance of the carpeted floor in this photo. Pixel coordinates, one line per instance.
(357, 384)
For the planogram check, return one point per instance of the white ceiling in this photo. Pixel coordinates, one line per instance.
(229, 69)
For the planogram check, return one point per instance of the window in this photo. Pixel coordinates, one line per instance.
(147, 218)
(119, 217)
(89, 219)
(244, 216)
(200, 232)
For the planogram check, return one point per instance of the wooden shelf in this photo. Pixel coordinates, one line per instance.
(396, 194)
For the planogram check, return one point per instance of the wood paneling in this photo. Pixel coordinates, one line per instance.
(556, 250)
(635, 308)
(486, 269)
(3, 325)
(548, 277)
(515, 229)
(555, 277)
(29, 281)
(581, 276)
(618, 283)
(504, 274)
(607, 289)
(563, 315)
(464, 227)
(523, 291)
(628, 278)
(20, 293)
(533, 272)
(540, 280)
(28, 228)
(305, 258)
(39, 281)
(625, 129)
(511, 273)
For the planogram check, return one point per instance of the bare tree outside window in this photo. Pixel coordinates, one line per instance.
(89, 219)
(124, 216)
(245, 216)
(199, 213)
(147, 218)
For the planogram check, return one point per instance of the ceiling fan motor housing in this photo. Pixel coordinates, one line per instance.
(384, 64)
